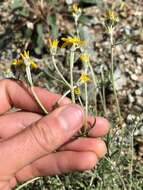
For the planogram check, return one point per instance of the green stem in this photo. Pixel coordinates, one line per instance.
(132, 157)
(29, 77)
(59, 73)
(117, 172)
(27, 183)
(38, 101)
(71, 73)
(103, 91)
(86, 106)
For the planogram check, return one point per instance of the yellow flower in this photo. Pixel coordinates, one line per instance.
(84, 58)
(84, 78)
(72, 40)
(33, 64)
(27, 60)
(123, 5)
(77, 90)
(53, 45)
(111, 16)
(25, 55)
(76, 9)
(17, 62)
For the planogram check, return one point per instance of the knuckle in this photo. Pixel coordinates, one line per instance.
(44, 135)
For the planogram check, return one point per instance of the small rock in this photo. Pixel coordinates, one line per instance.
(130, 118)
(120, 79)
(139, 50)
(139, 61)
(131, 98)
(134, 77)
(139, 100)
(139, 91)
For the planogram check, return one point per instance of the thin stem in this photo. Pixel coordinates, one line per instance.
(38, 101)
(132, 158)
(112, 76)
(80, 101)
(71, 73)
(58, 71)
(27, 183)
(86, 106)
(64, 95)
(117, 172)
(95, 85)
(103, 91)
(29, 77)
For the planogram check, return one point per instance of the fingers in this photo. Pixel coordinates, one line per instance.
(17, 94)
(57, 163)
(100, 128)
(87, 144)
(13, 123)
(41, 138)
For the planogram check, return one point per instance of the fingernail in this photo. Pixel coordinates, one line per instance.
(71, 117)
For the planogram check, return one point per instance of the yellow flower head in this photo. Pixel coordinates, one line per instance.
(123, 5)
(111, 16)
(25, 55)
(77, 91)
(53, 45)
(72, 40)
(33, 64)
(84, 58)
(27, 60)
(76, 9)
(84, 78)
(17, 62)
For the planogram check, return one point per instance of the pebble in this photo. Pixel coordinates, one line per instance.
(130, 118)
(134, 77)
(139, 91)
(139, 60)
(139, 100)
(131, 98)
(139, 50)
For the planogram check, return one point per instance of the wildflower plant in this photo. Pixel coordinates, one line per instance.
(111, 20)
(76, 87)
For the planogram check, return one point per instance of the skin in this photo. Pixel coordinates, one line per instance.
(28, 139)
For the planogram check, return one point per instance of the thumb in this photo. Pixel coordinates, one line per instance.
(39, 139)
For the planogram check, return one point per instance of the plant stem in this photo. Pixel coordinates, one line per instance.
(38, 101)
(117, 172)
(95, 84)
(29, 77)
(71, 72)
(59, 73)
(86, 106)
(132, 157)
(112, 76)
(27, 183)
(103, 92)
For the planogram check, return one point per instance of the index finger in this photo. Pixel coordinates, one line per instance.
(17, 94)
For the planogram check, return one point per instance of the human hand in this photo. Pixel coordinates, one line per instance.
(28, 139)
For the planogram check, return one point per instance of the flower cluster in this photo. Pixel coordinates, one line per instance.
(72, 41)
(84, 78)
(24, 60)
(76, 10)
(111, 18)
(84, 58)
